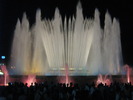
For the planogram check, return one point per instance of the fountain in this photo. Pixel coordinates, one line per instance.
(67, 74)
(31, 79)
(87, 49)
(105, 80)
(128, 73)
(4, 70)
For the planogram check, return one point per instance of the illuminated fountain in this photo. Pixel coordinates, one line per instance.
(105, 80)
(4, 70)
(31, 79)
(67, 74)
(128, 73)
(87, 49)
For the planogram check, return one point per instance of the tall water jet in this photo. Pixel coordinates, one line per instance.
(87, 49)
(21, 48)
(95, 62)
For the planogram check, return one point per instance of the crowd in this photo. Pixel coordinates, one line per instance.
(51, 91)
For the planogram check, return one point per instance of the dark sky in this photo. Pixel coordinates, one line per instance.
(10, 10)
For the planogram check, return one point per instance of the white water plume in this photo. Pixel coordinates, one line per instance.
(50, 45)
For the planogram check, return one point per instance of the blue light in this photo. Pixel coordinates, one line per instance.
(3, 57)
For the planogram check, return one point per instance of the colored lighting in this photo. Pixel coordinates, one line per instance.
(3, 57)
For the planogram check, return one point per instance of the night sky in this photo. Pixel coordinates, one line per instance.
(11, 10)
